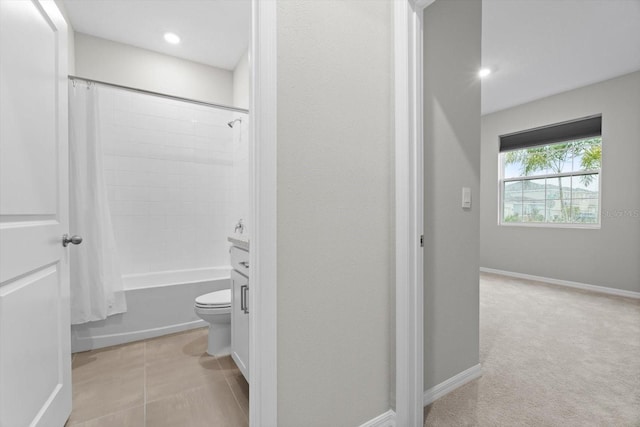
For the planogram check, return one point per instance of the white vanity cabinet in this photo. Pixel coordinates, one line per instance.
(240, 309)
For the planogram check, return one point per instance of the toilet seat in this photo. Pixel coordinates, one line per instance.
(217, 299)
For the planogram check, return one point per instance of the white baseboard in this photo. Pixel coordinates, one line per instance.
(446, 387)
(91, 343)
(567, 283)
(388, 419)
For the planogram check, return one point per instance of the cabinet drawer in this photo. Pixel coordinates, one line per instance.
(240, 260)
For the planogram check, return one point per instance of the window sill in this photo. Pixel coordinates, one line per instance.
(549, 225)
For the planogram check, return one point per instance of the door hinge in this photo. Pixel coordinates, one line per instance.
(422, 240)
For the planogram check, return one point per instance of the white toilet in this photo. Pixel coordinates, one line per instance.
(215, 309)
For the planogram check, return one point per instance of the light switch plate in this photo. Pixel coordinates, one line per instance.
(466, 198)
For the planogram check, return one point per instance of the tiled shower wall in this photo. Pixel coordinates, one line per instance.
(240, 174)
(170, 177)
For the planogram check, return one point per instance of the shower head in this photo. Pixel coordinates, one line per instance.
(232, 122)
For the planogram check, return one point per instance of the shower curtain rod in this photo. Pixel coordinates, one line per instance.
(162, 95)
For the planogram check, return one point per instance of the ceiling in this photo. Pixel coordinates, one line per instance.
(535, 48)
(538, 48)
(212, 32)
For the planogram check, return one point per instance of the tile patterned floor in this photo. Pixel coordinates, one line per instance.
(165, 381)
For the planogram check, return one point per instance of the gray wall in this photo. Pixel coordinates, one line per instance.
(127, 65)
(71, 39)
(335, 180)
(241, 77)
(452, 161)
(609, 256)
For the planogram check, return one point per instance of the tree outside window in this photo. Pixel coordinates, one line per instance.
(554, 183)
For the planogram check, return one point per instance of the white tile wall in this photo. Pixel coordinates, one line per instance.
(172, 183)
(239, 186)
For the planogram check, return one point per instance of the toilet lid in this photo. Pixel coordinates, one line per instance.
(215, 299)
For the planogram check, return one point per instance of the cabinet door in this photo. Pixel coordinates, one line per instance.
(240, 322)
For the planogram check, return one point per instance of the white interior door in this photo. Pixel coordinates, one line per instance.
(35, 351)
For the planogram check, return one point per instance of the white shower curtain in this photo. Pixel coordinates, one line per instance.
(96, 282)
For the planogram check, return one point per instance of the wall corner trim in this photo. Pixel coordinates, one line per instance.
(447, 386)
(567, 283)
(388, 419)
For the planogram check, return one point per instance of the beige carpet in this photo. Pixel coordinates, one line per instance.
(551, 356)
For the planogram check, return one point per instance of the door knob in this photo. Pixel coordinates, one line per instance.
(76, 240)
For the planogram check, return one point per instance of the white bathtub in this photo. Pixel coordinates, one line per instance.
(157, 304)
(174, 277)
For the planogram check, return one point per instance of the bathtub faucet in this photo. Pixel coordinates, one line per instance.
(239, 226)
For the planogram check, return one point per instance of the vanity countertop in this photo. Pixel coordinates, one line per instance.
(241, 242)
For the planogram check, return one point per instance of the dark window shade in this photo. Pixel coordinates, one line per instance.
(576, 129)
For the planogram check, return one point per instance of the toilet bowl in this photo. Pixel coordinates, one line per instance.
(215, 309)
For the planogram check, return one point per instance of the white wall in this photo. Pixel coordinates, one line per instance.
(168, 168)
(126, 65)
(335, 204)
(604, 257)
(452, 32)
(241, 82)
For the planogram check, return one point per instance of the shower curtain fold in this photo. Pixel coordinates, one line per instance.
(97, 289)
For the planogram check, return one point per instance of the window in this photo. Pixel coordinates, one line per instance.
(551, 175)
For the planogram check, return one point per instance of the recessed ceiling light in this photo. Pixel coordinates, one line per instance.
(171, 38)
(484, 72)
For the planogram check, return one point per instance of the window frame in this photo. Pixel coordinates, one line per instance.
(502, 180)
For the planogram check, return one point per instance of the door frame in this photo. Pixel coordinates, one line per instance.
(408, 83)
(409, 218)
(409, 118)
(263, 345)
